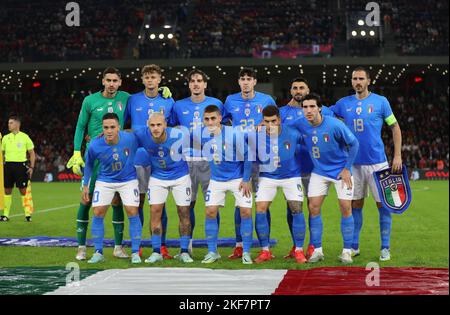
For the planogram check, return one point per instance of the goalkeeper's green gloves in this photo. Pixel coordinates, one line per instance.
(165, 92)
(76, 163)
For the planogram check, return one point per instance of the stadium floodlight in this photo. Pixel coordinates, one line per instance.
(363, 33)
(360, 22)
(170, 36)
(152, 36)
(167, 26)
(372, 33)
(161, 36)
(354, 33)
(147, 26)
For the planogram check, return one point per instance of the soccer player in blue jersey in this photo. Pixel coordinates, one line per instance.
(170, 172)
(364, 113)
(279, 168)
(290, 114)
(332, 148)
(139, 107)
(188, 113)
(225, 149)
(244, 109)
(115, 151)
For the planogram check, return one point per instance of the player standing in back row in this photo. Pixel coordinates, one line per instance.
(244, 109)
(364, 113)
(188, 113)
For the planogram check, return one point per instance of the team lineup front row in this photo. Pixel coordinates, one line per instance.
(259, 154)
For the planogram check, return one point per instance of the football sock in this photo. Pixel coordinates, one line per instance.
(298, 228)
(82, 223)
(135, 230)
(184, 243)
(269, 222)
(141, 215)
(118, 219)
(385, 227)
(163, 226)
(237, 224)
(247, 234)
(262, 229)
(347, 228)
(8, 202)
(316, 228)
(156, 243)
(358, 218)
(211, 230)
(98, 232)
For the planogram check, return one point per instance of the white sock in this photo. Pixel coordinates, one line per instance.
(265, 248)
(347, 250)
(238, 244)
(298, 248)
(319, 249)
(117, 246)
(82, 247)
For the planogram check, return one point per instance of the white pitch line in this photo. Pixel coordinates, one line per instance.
(46, 210)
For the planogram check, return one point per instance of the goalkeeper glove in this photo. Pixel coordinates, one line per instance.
(76, 163)
(165, 92)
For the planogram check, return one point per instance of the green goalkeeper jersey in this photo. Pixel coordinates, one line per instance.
(92, 111)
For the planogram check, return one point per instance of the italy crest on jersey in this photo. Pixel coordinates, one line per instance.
(315, 139)
(116, 157)
(326, 137)
(394, 189)
(247, 112)
(359, 110)
(287, 145)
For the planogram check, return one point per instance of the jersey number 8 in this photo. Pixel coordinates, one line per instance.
(316, 152)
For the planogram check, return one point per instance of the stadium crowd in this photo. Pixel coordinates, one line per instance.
(424, 148)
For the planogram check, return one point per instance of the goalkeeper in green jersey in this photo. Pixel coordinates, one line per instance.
(110, 100)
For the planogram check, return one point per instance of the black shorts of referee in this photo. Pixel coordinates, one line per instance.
(15, 173)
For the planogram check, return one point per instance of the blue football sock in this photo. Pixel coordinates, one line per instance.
(184, 243)
(218, 219)
(156, 243)
(269, 222)
(262, 229)
(316, 228)
(237, 224)
(192, 215)
(211, 231)
(298, 228)
(289, 222)
(247, 234)
(164, 226)
(385, 227)
(141, 215)
(98, 233)
(358, 218)
(347, 228)
(135, 230)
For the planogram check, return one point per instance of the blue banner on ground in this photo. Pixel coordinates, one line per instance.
(45, 241)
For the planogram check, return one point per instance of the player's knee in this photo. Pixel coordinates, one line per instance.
(358, 203)
(246, 213)
(314, 209)
(211, 213)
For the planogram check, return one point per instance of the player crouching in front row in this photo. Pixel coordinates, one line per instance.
(115, 151)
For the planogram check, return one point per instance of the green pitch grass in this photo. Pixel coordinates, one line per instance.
(419, 237)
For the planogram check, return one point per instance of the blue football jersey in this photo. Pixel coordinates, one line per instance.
(278, 155)
(328, 144)
(289, 116)
(116, 161)
(138, 110)
(365, 119)
(246, 113)
(226, 154)
(166, 159)
(188, 114)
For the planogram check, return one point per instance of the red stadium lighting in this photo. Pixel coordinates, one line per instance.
(36, 84)
(418, 79)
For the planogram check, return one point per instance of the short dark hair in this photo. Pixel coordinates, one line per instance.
(313, 96)
(110, 116)
(151, 68)
(360, 68)
(15, 117)
(247, 71)
(299, 79)
(271, 110)
(113, 71)
(212, 109)
(196, 71)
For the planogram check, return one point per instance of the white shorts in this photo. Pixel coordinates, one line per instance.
(363, 175)
(267, 189)
(217, 191)
(319, 185)
(104, 193)
(158, 191)
(143, 176)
